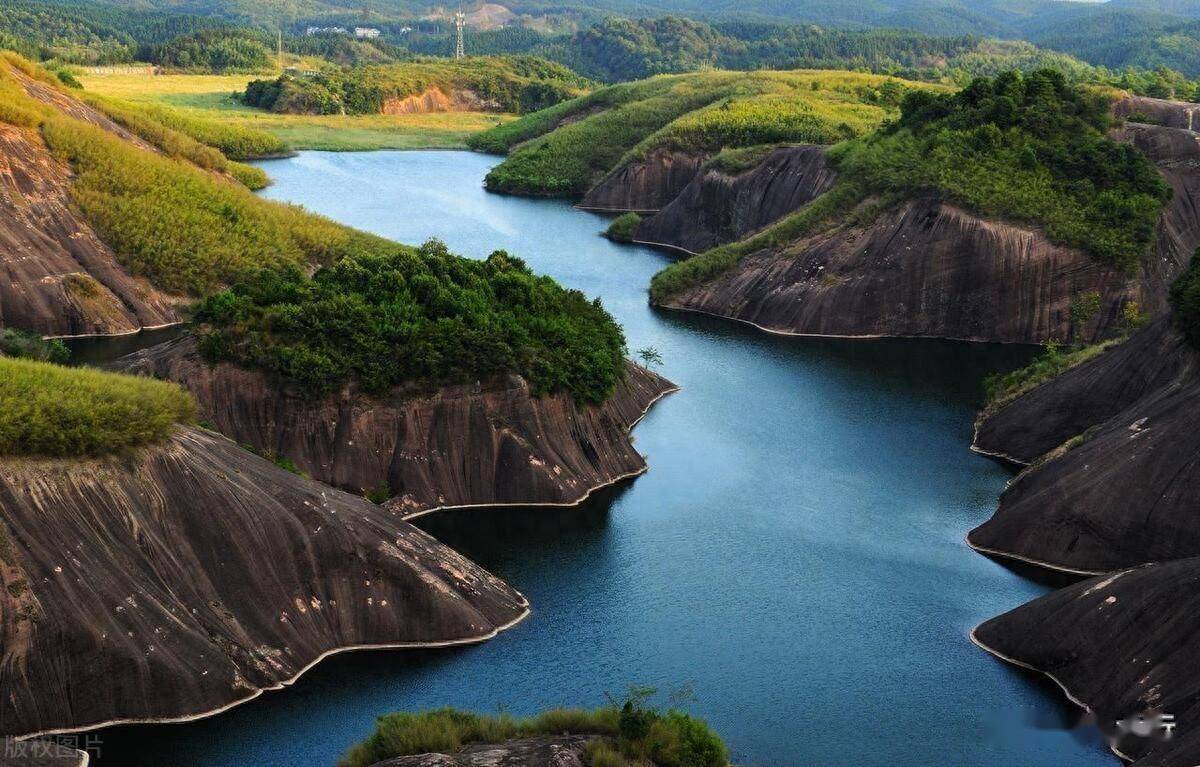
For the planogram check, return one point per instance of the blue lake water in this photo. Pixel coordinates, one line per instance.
(795, 553)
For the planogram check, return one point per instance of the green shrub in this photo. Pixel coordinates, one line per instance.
(409, 315)
(46, 409)
(1185, 301)
(624, 227)
(1053, 362)
(26, 345)
(670, 739)
(1030, 149)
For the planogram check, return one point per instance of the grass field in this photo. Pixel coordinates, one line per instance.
(212, 96)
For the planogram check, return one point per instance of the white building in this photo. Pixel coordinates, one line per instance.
(367, 32)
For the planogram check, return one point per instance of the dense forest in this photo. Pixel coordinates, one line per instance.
(401, 315)
(503, 84)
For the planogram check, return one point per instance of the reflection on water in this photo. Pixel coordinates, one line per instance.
(795, 551)
(102, 350)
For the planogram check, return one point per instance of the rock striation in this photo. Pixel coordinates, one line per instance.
(1125, 490)
(920, 268)
(183, 578)
(459, 446)
(717, 207)
(644, 185)
(547, 751)
(923, 268)
(1119, 644)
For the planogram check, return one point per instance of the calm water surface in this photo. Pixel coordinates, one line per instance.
(795, 552)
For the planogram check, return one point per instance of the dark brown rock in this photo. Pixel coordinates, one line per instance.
(1128, 493)
(462, 446)
(1119, 644)
(1087, 395)
(716, 208)
(547, 751)
(924, 268)
(644, 185)
(186, 577)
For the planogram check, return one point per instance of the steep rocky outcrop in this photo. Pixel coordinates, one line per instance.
(716, 207)
(1128, 492)
(186, 577)
(1038, 421)
(644, 185)
(547, 751)
(461, 446)
(56, 276)
(1120, 644)
(1170, 114)
(924, 268)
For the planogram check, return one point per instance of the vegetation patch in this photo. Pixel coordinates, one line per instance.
(1051, 363)
(401, 315)
(236, 142)
(503, 84)
(566, 149)
(624, 227)
(31, 346)
(1029, 149)
(1185, 301)
(47, 409)
(628, 736)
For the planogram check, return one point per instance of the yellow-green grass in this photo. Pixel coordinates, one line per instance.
(567, 148)
(50, 410)
(213, 97)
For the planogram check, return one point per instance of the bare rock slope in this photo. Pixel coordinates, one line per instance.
(1120, 644)
(189, 576)
(548, 751)
(459, 446)
(1127, 493)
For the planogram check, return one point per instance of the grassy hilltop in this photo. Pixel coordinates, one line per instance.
(565, 149)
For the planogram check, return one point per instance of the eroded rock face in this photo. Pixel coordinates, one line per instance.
(437, 100)
(646, 185)
(1121, 643)
(716, 208)
(464, 445)
(1087, 395)
(56, 276)
(1170, 114)
(1129, 493)
(925, 268)
(188, 576)
(549, 751)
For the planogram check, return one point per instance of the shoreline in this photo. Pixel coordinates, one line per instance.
(184, 719)
(1066, 691)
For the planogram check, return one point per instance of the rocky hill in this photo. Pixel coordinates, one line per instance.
(466, 445)
(188, 576)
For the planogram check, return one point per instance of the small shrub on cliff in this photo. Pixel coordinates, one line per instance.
(1185, 301)
(46, 409)
(416, 315)
(630, 736)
